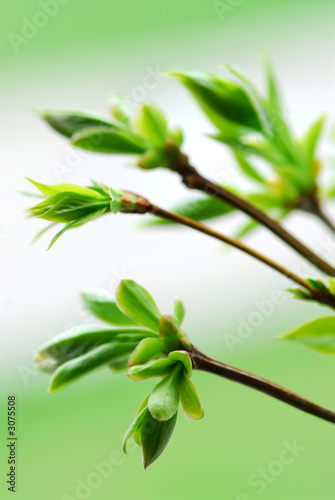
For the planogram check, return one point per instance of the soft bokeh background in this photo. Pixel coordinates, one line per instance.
(84, 51)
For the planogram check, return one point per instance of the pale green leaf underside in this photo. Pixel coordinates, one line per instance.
(318, 335)
(102, 305)
(138, 304)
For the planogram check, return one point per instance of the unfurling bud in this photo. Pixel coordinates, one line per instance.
(75, 205)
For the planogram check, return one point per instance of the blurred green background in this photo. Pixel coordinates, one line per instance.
(72, 56)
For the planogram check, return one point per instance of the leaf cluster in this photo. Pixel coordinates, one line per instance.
(144, 341)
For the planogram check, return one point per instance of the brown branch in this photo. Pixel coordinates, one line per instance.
(202, 362)
(230, 241)
(311, 204)
(320, 214)
(324, 298)
(193, 180)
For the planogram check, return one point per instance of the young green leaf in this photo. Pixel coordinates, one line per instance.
(109, 140)
(164, 400)
(179, 311)
(157, 368)
(310, 140)
(226, 104)
(146, 350)
(273, 93)
(331, 284)
(50, 190)
(155, 435)
(119, 366)
(119, 108)
(184, 358)
(78, 367)
(81, 339)
(169, 332)
(134, 301)
(247, 145)
(254, 98)
(249, 169)
(77, 223)
(245, 229)
(150, 124)
(199, 209)
(102, 305)
(43, 231)
(68, 123)
(152, 158)
(136, 424)
(68, 207)
(189, 399)
(176, 135)
(318, 335)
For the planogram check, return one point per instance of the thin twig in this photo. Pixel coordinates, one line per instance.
(226, 239)
(207, 364)
(192, 179)
(320, 214)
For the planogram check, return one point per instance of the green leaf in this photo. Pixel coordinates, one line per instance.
(199, 209)
(150, 124)
(264, 201)
(169, 332)
(67, 207)
(164, 400)
(74, 342)
(248, 168)
(153, 158)
(245, 229)
(134, 301)
(318, 335)
(317, 285)
(329, 190)
(146, 350)
(119, 108)
(137, 433)
(179, 310)
(82, 365)
(50, 190)
(189, 399)
(273, 93)
(119, 366)
(176, 135)
(155, 435)
(136, 424)
(82, 339)
(310, 141)
(68, 123)
(42, 232)
(60, 233)
(76, 223)
(102, 305)
(157, 368)
(184, 358)
(106, 140)
(254, 98)
(226, 104)
(247, 145)
(331, 284)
